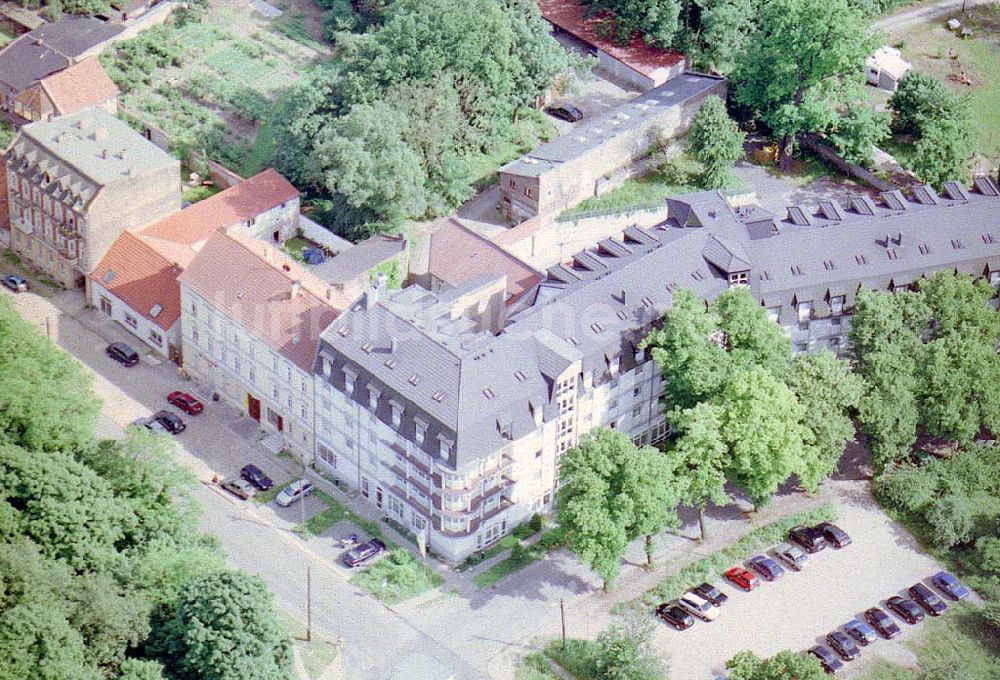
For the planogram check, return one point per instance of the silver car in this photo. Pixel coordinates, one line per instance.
(792, 556)
(295, 491)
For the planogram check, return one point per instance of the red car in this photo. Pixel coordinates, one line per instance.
(743, 578)
(186, 403)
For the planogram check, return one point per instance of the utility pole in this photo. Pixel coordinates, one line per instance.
(48, 328)
(309, 617)
(562, 615)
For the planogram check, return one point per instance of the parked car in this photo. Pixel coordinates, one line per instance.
(566, 112)
(171, 422)
(949, 585)
(906, 609)
(295, 491)
(742, 578)
(364, 553)
(792, 556)
(711, 593)
(154, 425)
(863, 632)
(16, 283)
(256, 476)
(827, 659)
(240, 488)
(122, 353)
(185, 402)
(833, 534)
(927, 599)
(699, 606)
(766, 567)
(882, 622)
(674, 615)
(842, 643)
(807, 538)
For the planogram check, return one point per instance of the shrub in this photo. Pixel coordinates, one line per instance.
(552, 539)
(523, 531)
(991, 617)
(908, 488)
(987, 555)
(536, 523)
(950, 518)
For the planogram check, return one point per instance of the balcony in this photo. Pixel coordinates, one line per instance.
(504, 504)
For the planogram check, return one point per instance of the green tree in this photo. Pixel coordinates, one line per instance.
(37, 643)
(920, 98)
(943, 151)
(950, 518)
(658, 19)
(624, 652)
(612, 493)
(785, 665)
(716, 142)
(724, 29)
(859, 131)
(46, 402)
(364, 158)
(828, 392)
(141, 669)
(225, 629)
(792, 68)
(987, 555)
(703, 457)
(110, 619)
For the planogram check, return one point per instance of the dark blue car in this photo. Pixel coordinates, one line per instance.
(766, 567)
(949, 585)
(861, 631)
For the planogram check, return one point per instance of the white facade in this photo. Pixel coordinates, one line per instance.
(150, 333)
(248, 373)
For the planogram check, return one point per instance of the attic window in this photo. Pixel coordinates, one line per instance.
(109, 276)
(956, 244)
(342, 331)
(367, 347)
(924, 249)
(988, 238)
(765, 275)
(572, 340)
(391, 363)
(647, 302)
(828, 265)
(438, 396)
(697, 275)
(596, 327)
(489, 393)
(521, 377)
(155, 310)
(796, 270)
(892, 253)
(414, 379)
(622, 314)
(671, 287)
(861, 259)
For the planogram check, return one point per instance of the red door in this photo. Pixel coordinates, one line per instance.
(253, 406)
(281, 423)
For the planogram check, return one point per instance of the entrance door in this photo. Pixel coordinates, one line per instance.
(378, 496)
(253, 407)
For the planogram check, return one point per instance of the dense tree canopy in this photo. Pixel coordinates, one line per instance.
(785, 665)
(741, 408)
(928, 358)
(716, 142)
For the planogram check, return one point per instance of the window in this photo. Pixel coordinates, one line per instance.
(130, 321)
(512, 184)
(637, 391)
(364, 487)
(637, 412)
(302, 384)
(397, 414)
(349, 378)
(274, 392)
(236, 363)
(419, 432)
(194, 335)
(538, 454)
(274, 363)
(302, 411)
(801, 347)
(194, 309)
(327, 456)
(739, 278)
(445, 448)
(837, 305)
(373, 396)
(288, 373)
(995, 277)
(251, 376)
(155, 337)
(418, 522)
(528, 192)
(211, 346)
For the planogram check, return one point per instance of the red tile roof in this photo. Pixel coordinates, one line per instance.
(459, 255)
(646, 59)
(133, 271)
(251, 283)
(80, 86)
(182, 233)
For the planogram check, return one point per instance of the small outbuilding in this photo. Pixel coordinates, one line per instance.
(886, 68)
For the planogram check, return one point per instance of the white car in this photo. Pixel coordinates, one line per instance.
(150, 423)
(792, 556)
(295, 491)
(699, 606)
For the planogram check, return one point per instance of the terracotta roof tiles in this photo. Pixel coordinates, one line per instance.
(80, 86)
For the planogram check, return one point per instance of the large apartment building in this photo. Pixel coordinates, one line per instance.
(76, 182)
(450, 410)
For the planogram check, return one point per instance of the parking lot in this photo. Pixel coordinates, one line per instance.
(797, 611)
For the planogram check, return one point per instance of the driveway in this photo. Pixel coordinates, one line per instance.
(797, 611)
(921, 14)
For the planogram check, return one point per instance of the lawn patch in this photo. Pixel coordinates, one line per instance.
(397, 577)
(535, 667)
(520, 557)
(322, 521)
(577, 658)
(711, 568)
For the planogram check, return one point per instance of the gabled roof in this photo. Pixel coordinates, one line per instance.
(79, 86)
(181, 234)
(458, 255)
(723, 255)
(360, 259)
(253, 283)
(134, 272)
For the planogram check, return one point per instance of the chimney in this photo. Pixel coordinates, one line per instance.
(296, 287)
(105, 154)
(381, 278)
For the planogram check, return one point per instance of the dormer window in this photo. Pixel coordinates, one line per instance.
(739, 278)
(373, 395)
(445, 448)
(420, 431)
(397, 413)
(613, 364)
(837, 305)
(349, 378)
(505, 432)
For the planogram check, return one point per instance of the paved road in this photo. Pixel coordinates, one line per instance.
(921, 14)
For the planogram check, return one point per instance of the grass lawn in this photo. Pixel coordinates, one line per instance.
(294, 246)
(5, 37)
(316, 655)
(528, 132)
(929, 47)
(534, 667)
(402, 575)
(191, 194)
(577, 659)
(956, 645)
(549, 541)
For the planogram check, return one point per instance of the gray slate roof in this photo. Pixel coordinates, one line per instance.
(51, 48)
(596, 307)
(359, 259)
